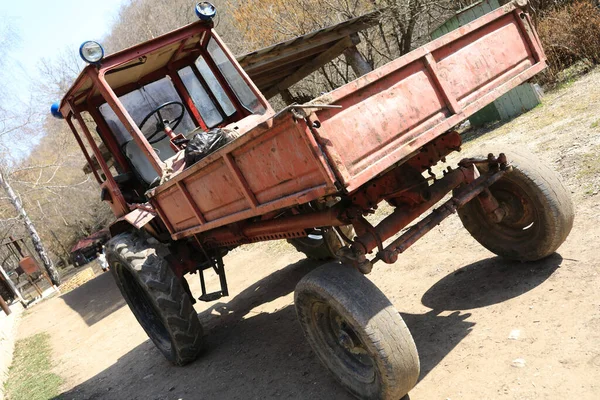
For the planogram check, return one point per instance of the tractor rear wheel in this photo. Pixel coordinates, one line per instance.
(539, 212)
(357, 333)
(156, 296)
(322, 244)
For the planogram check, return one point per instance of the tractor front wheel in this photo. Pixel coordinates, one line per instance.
(156, 296)
(357, 333)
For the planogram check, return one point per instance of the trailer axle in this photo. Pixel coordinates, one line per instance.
(474, 186)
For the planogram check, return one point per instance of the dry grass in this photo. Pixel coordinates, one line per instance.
(570, 35)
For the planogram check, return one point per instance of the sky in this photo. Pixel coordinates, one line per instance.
(47, 28)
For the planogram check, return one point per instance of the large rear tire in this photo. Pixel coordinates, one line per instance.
(155, 296)
(539, 212)
(357, 333)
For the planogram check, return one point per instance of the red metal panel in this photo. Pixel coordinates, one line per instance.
(174, 207)
(478, 59)
(216, 192)
(193, 206)
(378, 116)
(278, 166)
(29, 265)
(240, 180)
(391, 112)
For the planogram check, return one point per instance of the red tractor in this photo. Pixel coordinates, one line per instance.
(194, 162)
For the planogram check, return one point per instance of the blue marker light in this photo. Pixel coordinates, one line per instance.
(55, 111)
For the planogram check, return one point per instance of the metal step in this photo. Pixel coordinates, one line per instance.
(211, 297)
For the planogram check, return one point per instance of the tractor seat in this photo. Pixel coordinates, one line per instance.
(141, 163)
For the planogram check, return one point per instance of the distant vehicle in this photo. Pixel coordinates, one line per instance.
(309, 174)
(87, 249)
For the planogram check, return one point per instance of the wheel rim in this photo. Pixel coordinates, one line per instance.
(341, 343)
(143, 308)
(521, 220)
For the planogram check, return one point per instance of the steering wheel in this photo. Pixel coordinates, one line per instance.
(162, 123)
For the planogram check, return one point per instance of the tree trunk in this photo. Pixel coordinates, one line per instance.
(35, 238)
(355, 59)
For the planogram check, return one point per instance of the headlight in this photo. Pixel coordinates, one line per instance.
(91, 52)
(55, 111)
(205, 11)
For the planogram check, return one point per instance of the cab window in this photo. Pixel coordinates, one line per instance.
(243, 92)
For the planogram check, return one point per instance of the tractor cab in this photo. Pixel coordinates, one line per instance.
(138, 108)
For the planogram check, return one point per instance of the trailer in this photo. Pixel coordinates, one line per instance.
(310, 174)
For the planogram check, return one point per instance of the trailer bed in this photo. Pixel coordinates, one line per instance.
(385, 117)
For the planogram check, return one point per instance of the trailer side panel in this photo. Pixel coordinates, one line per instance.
(393, 111)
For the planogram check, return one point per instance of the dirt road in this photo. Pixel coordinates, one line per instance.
(460, 302)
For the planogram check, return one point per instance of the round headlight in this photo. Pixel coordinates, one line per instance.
(91, 52)
(205, 11)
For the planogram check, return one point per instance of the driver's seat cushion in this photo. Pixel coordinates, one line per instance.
(141, 163)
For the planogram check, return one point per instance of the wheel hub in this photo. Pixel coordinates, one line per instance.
(345, 340)
(518, 213)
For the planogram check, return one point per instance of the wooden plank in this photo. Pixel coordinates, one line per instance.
(512, 104)
(529, 96)
(453, 25)
(521, 99)
(253, 70)
(325, 57)
(259, 60)
(469, 15)
(440, 31)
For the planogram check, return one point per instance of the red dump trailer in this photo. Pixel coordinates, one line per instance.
(310, 174)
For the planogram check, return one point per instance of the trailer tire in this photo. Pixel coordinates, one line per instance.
(324, 247)
(540, 212)
(156, 296)
(357, 333)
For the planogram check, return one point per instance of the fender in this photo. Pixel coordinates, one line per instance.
(137, 219)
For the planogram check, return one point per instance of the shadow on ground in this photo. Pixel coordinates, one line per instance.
(95, 299)
(488, 282)
(480, 284)
(264, 355)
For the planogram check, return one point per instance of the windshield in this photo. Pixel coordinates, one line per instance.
(141, 102)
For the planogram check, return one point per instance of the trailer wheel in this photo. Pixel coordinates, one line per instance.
(539, 212)
(322, 244)
(357, 333)
(155, 296)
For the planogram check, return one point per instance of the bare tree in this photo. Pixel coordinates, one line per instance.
(12, 122)
(35, 237)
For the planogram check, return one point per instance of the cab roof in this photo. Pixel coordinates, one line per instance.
(135, 63)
